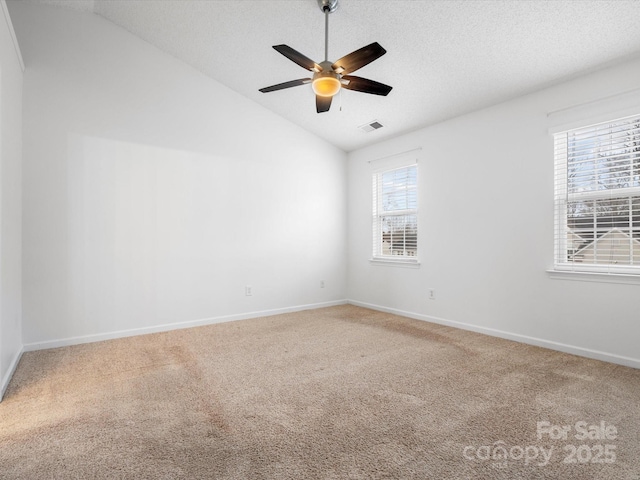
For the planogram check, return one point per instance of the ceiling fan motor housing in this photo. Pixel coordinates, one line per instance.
(326, 82)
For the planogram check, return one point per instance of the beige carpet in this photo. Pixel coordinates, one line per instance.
(340, 392)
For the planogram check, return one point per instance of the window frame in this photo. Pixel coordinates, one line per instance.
(563, 264)
(378, 214)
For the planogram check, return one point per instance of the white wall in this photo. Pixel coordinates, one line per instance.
(486, 230)
(153, 194)
(10, 199)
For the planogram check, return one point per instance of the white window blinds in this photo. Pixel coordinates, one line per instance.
(395, 213)
(597, 197)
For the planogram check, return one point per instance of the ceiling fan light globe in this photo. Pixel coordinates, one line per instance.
(326, 86)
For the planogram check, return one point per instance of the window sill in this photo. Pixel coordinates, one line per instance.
(628, 279)
(406, 263)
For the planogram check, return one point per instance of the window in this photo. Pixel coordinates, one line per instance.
(597, 197)
(395, 214)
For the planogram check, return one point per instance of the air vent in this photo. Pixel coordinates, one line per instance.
(371, 126)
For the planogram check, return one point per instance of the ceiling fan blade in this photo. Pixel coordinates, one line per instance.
(297, 57)
(365, 85)
(280, 86)
(323, 103)
(358, 59)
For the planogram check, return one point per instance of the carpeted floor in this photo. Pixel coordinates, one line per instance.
(335, 393)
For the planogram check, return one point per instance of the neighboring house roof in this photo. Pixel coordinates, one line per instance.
(407, 241)
(587, 223)
(584, 229)
(611, 245)
(575, 240)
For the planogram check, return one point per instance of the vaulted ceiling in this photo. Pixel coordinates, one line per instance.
(444, 57)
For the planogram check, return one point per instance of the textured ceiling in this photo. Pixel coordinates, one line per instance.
(444, 57)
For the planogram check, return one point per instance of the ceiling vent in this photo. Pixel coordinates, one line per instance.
(371, 126)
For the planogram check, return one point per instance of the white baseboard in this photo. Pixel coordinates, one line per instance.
(65, 342)
(12, 368)
(583, 352)
(538, 342)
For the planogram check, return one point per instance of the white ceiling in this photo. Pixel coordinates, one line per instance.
(444, 57)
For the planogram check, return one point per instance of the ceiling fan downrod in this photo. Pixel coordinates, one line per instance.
(327, 6)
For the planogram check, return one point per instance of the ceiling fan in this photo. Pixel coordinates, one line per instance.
(328, 78)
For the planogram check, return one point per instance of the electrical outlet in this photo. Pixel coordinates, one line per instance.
(321, 283)
(432, 294)
(248, 290)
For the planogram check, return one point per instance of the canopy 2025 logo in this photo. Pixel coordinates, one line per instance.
(586, 452)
